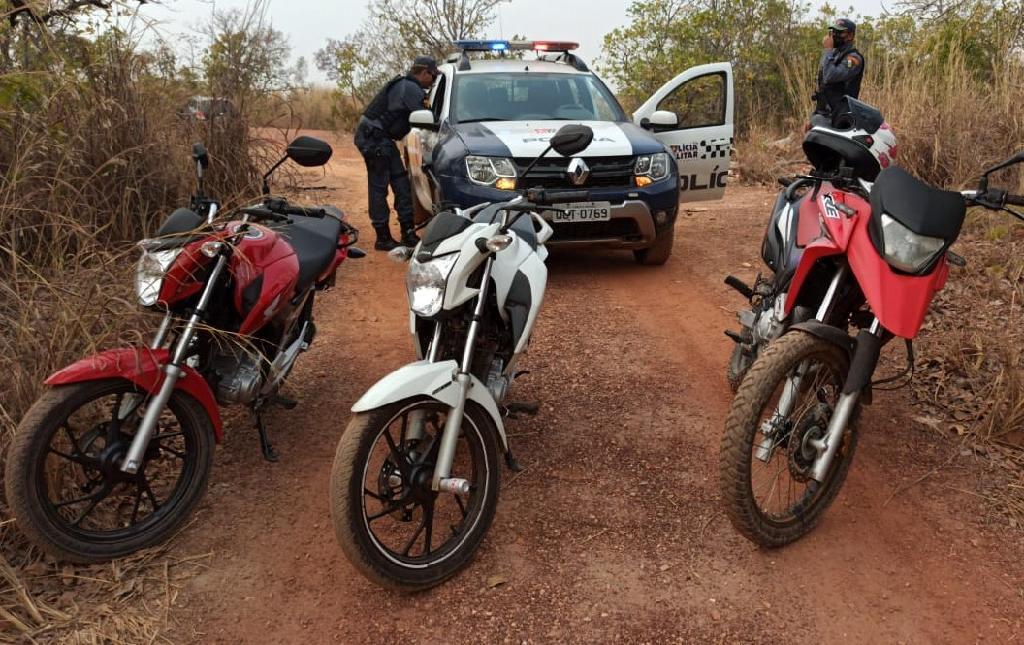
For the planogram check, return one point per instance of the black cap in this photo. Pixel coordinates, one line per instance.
(427, 62)
(843, 24)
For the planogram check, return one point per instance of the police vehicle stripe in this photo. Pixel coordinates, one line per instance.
(526, 139)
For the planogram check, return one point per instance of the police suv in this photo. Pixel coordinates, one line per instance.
(491, 115)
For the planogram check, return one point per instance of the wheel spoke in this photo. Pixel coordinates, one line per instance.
(99, 497)
(135, 507)
(150, 494)
(403, 466)
(387, 511)
(428, 519)
(78, 500)
(80, 460)
(176, 453)
(168, 435)
(462, 507)
(71, 438)
(367, 491)
(415, 536)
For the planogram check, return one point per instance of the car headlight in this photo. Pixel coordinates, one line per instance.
(426, 282)
(499, 172)
(905, 249)
(149, 274)
(651, 168)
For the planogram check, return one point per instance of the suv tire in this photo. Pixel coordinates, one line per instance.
(659, 252)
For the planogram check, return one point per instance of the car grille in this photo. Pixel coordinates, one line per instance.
(605, 172)
(612, 229)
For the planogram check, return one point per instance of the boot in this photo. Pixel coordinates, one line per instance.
(409, 237)
(384, 240)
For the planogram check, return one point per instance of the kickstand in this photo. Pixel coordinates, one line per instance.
(268, 450)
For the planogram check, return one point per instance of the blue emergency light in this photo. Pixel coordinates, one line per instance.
(482, 45)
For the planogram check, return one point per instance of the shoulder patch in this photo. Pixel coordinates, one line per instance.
(852, 61)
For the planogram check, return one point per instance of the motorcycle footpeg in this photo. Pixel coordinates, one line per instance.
(736, 338)
(740, 286)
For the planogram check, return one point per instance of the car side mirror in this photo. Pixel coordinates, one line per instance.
(309, 152)
(572, 139)
(423, 119)
(661, 120)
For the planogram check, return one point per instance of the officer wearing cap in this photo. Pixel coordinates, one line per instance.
(841, 71)
(385, 121)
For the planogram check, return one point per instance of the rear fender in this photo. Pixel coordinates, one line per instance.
(144, 368)
(434, 380)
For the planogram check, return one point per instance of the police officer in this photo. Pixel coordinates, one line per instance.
(841, 71)
(385, 121)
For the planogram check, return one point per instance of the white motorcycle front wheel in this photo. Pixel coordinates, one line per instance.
(392, 526)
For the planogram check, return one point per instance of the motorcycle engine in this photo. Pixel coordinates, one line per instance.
(239, 377)
(497, 382)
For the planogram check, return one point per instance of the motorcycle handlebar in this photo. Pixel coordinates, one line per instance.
(1015, 200)
(282, 207)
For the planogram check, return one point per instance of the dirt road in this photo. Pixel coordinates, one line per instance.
(613, 531)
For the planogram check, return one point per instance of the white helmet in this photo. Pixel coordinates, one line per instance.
(858, 138)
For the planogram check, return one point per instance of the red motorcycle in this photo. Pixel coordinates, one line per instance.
(116, 453)
(856, 255)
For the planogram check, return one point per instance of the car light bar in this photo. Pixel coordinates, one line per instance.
(554, 46)
(483, 45)
(515, 45)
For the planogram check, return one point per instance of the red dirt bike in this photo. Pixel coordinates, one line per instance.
(864, 256)
(116, 454)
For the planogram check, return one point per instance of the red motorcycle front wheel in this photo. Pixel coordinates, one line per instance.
(63, 480)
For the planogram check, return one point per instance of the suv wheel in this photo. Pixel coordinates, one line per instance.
(659, 252)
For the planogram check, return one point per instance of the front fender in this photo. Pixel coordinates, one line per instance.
(435, 380)
(143, 367)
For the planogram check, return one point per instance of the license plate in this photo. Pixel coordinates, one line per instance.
(582, 212)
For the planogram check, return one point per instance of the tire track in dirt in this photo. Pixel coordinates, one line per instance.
(612, 531)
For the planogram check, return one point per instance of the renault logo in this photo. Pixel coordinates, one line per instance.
(578, 171)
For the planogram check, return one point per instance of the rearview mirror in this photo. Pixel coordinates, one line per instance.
(200, 156)
(1015, 159)
(572, 139)
(309, 152)
(664, 119)
(423, 119)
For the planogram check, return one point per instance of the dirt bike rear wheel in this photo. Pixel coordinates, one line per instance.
(759, 441)
(394, 529)
(63, 480)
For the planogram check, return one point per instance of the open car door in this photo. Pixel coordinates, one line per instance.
(419, 152)
(693, 115)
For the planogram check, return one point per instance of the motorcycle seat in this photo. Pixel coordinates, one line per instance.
(921, 208)
(315, 242)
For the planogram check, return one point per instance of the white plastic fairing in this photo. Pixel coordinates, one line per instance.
(435, 380)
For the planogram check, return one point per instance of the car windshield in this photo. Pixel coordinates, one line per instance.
(528, 96)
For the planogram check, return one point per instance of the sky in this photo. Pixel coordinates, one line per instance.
(309, 23)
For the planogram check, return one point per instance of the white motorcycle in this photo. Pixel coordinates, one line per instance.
(415, 480)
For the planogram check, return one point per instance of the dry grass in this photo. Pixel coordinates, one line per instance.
(92, 159)
(950, 121)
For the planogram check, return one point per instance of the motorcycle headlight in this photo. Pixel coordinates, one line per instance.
(652, 168)
(149, 274)
(906, 250)
(499, 172)
(426, 282)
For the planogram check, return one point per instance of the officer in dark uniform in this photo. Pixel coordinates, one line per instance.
(385, 121)
(841, 71)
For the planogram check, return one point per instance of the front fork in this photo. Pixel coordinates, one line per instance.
(862, 367)
(172, 373)
(463, 380)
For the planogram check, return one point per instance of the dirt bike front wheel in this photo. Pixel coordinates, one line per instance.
(781, 407)
(63, 477)
(393, 527)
